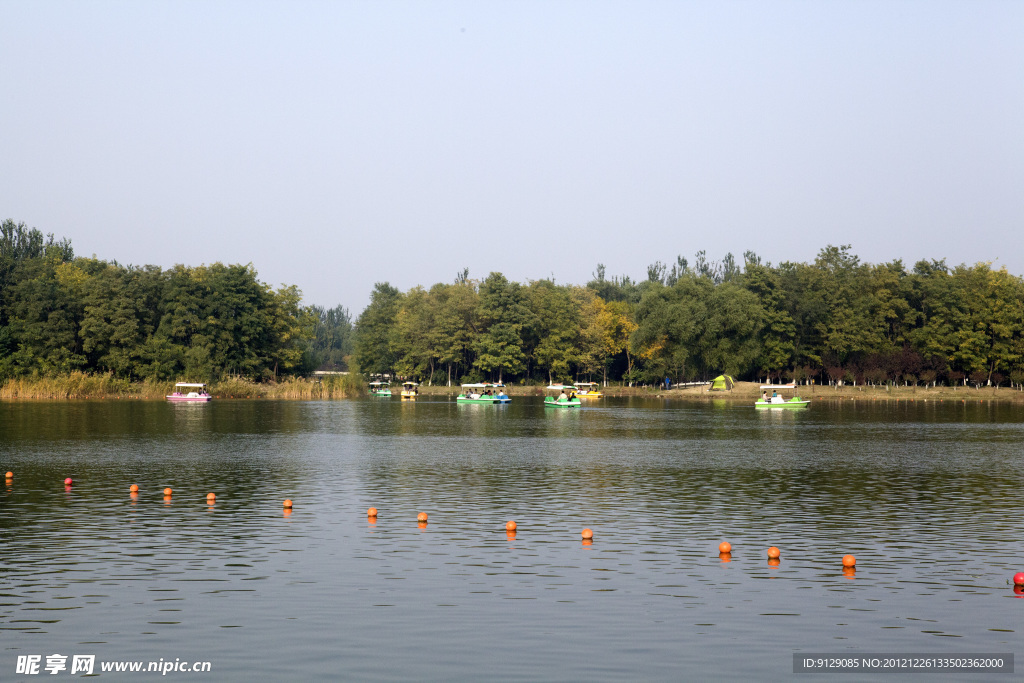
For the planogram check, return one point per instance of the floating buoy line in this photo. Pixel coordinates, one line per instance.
(849, 562)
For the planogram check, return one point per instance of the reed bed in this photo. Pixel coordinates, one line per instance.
(300, 388)
(80, 385)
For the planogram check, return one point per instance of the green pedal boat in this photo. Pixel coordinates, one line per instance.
(566, 396)
(777, 400)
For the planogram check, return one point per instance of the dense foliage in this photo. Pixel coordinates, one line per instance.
(59, 314)
(834, 320)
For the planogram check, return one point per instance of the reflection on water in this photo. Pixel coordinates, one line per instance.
(926, 495)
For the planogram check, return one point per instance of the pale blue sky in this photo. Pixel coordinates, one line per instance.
(335, 144)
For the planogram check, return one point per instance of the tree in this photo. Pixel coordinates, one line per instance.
(593, 350)
(556, 329)
(455, 331)
(777, 340)
(332, 338)
(503, 315)
(617, 322)
(375, 330)
(120, 313)
(412, 339)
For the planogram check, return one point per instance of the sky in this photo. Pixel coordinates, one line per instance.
(334, 145)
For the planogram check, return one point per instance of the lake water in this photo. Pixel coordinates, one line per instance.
(928, 496)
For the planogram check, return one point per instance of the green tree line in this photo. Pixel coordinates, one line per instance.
(836, 320)
(60, 313)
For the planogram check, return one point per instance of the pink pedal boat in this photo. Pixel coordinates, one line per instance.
(185, 392)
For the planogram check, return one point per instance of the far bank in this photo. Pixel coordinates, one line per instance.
(751, 391)
(81, 386)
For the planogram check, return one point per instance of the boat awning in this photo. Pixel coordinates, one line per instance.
(189, 384)
(778, 386)
(559, 387)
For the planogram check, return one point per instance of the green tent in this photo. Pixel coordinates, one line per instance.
(722, 383)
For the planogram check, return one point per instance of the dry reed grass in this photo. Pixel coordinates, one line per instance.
(80, 385)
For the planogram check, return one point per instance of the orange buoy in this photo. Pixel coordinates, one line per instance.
(510, 526)
(371, 512)
(10, 475)
(168, 491)
(774, 553)
(210, 497)
(725, 547)
(587, 533)
(849, 561)
(287, 502)
(134, 488)
(68, 481)
(422, 517)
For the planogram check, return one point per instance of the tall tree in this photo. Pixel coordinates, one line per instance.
(556, 329)
(503, 314)
(375, 330)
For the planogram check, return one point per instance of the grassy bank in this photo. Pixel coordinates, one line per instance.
(80, 385)
(751, 391)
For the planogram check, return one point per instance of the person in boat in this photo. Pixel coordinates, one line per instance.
(572, 396)
(764, 395)
(774, 394)
(562, 396)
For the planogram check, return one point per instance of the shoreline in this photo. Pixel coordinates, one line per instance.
(80, 387)
(751, 391)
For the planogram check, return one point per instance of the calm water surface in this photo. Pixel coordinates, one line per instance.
(928, 496)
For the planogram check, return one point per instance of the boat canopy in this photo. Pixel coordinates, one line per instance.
(778, 386)
(189, 384)
(378, 384)
(559, 387)
(410, 384)
(484, 385)
(586, 384)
